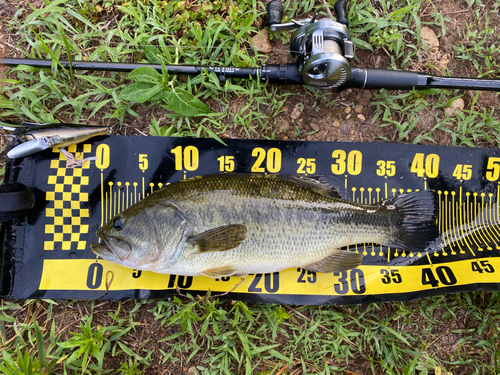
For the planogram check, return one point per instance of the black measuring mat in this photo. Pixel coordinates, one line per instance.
(46, 253)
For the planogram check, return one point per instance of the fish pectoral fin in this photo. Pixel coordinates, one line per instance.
(340, 260)
(222, 238)
(219, 272)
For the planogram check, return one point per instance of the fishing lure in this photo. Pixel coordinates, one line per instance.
(37, 138)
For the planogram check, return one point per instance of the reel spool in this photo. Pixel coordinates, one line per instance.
(322, 48)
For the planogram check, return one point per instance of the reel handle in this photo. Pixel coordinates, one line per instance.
(341, 10)
(274, 12)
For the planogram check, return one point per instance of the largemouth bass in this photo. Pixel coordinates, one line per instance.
(237, 224)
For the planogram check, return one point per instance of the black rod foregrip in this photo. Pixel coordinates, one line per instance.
(375, 79)
(284, 74)
(341, 10)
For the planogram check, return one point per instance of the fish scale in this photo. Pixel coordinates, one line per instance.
(289, 222)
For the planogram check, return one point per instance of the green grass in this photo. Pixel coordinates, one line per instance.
(206, 335)
(457, 333)
(218, 33)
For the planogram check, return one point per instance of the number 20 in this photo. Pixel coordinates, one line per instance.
(272, 158)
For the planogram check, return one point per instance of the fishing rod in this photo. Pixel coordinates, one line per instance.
(322, 50)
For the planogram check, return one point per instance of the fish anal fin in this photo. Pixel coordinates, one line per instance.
(222, 238)
(219, 272)
(339, 260)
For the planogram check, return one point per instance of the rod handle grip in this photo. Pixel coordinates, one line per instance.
(274, 12)
(341, 10)
(376, 79)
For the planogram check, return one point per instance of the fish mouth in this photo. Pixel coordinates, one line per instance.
(101, 249)
(112, 248)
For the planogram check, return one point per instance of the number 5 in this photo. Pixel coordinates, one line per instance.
(143, 162)
(493, 169)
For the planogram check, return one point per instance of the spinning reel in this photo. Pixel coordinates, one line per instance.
(321, 48)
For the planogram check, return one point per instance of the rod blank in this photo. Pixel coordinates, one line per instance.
(286, 74)
(362, 78)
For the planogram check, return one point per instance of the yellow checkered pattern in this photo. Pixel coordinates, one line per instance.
(65, 199)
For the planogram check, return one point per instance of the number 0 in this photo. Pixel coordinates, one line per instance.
(102, 154)
(94, 276)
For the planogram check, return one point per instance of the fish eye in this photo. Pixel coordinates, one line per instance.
(118, 223)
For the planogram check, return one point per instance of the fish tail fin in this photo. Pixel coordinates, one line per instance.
(413, 219)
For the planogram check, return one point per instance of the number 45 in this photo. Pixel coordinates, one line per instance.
(463, 172)
(482, 266)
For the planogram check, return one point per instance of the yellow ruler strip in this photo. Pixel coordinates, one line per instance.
(88, 274)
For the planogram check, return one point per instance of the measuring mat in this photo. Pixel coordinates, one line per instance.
(46, 253)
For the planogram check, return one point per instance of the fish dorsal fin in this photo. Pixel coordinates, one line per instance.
(339, 260)
(222, 238)
(219, 272)
(318, 184)
(321, 184)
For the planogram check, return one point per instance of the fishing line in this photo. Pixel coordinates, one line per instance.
(156, 46)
